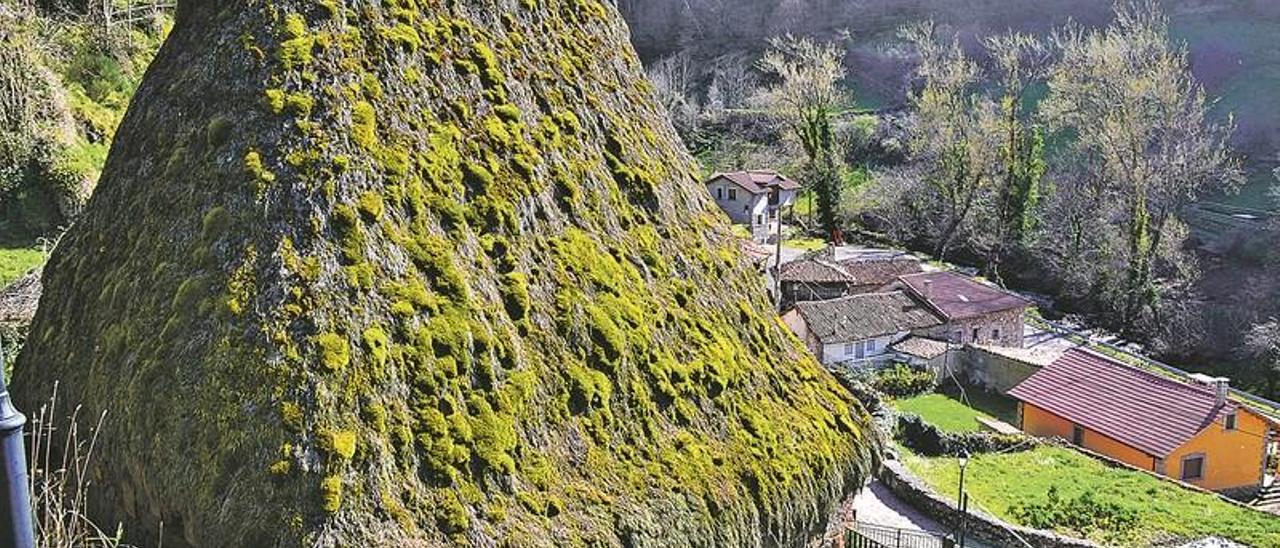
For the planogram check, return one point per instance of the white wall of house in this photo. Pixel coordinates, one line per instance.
(741, 206)
(863, 350)
(786, 198)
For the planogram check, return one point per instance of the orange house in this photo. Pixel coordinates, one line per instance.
(1187, 431)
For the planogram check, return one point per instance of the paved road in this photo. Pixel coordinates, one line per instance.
(876, 505)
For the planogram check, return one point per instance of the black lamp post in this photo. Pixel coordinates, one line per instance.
(963, 500)
(16, 526)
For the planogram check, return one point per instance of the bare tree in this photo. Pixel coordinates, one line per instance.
(673, 82)
(954, 137)
(732, 85)
(807, 94)
(1262, 346)
(1139, 121)
(1021, 61)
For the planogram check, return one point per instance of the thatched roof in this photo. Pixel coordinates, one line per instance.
(18, 300)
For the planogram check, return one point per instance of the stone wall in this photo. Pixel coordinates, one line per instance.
(1001, 329)
(913, 491)
(993, 369)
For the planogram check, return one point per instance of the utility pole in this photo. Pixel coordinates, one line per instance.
(16, 525)
(775, 209)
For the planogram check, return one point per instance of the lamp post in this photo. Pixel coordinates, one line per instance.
(16, 527)
(962, 500)
(775, 209)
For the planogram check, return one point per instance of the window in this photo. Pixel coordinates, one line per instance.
(759, 219)
(957, 337)
(1077, 435)
(995, 334)
(719, 193)
(860, 350)
(1230, 422)
(871, 347)
(1193, 467)
(848, 349)
(975, 335)
(733, 194)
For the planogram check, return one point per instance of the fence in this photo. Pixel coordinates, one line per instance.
(866, 535)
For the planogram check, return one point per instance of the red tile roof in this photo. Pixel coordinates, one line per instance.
(959, 297)
(758, 181)
(1143, 410)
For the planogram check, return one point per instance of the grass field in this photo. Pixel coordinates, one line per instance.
(14, 262)
(942, 411)
(805, 244)
(1164, 509)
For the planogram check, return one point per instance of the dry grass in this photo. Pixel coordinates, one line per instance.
(59, 463)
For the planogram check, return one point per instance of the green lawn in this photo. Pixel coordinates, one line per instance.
(805, 244)
(14, 262)
(942, 411)
(996, 482)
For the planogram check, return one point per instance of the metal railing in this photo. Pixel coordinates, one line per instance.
(867, 535)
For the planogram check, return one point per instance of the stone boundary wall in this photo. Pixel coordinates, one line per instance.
(992, 370)
(917, 494)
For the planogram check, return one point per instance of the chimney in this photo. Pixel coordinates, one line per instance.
(1221, 386)
(928, 289)
(1221, 389)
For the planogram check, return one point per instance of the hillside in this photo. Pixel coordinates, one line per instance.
(424, 274)
(66, 82)
(1232, 46)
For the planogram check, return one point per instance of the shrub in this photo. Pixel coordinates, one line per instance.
(857, 385)
(926, 439)
(904, 381)
(1083, 514)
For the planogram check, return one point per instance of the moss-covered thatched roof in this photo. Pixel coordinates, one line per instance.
(425, 273)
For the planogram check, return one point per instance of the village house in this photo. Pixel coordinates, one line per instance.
(1191, 432)
(821, 276)
(860, 329)
(973, 312)
(753, 198)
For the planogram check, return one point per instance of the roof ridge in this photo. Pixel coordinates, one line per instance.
(1181, 385)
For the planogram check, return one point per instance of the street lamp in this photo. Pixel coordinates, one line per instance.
(16, 528)
(963, 500)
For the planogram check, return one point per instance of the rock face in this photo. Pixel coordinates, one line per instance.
(409, 273)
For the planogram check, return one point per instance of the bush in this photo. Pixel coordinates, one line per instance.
(904, 381)
(857, 385)
(1081, 515)
(926, 439)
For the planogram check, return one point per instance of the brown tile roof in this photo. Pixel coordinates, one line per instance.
(960, 297)
(818, 268)
(758, 181)
(815, 270)
(921, 347)
(1145, 411)
(880, 271)
(865, 316)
